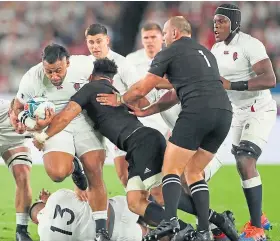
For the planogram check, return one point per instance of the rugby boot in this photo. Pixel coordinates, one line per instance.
(22, 234)
(182, 234)
(199, 236)
(78, 176)
(252, 233)
(165, 228)
(266, 225)
(219, 235)
(102, 235)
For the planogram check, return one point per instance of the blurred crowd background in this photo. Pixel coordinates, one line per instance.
(27, 27)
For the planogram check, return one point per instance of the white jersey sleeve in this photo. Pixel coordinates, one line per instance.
(255, 51)
(129, 74)
(30, 84)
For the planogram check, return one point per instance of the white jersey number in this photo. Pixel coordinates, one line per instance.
(61, 212)
(204, 56)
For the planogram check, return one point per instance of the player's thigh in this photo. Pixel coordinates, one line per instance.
(257, 127)
(148, 157)
(17, 154)
(61, 142)
(237, 125)
(87, 139)
(220, 121)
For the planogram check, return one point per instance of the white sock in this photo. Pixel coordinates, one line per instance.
(100, 215)
(22, 218)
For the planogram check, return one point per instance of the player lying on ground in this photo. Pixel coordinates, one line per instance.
(64, 216)
(17, 157)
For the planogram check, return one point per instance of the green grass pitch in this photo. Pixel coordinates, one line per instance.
(226, 193)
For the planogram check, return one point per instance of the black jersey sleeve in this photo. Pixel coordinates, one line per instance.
(160, 63)
(82, 97)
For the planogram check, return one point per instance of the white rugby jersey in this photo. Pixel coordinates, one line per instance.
(140, 60)
(8, 135)
(169, 116)
(127, 74)
(142, 63)
(235, 63)
(66, 218)
(35, 84)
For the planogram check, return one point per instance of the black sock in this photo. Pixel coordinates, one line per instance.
(171, 190)
(215, 217)
(21, 228)
(186, 203)
(100, 224)
(200, 194)
(254, 200)
(154, 214)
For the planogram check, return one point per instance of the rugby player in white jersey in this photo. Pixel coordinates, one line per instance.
(98, 45)
(247, 74)
(57, 78)
(17, 157)
(65, 216)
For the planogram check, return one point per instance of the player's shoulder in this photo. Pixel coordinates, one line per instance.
(248, 40)
(118, 58)
(136, 55)
(36, 71)
(63, 192)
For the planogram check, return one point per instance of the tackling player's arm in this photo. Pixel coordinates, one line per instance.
(141, 88)
(168, 100)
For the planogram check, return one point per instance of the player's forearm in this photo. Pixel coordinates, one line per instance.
(262, 82)
(168, 100)
(17, 107)
(57, 125)
(135, 93)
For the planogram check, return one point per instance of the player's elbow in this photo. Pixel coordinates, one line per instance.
(272, 80)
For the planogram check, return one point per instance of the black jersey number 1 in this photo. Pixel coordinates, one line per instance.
(61, 212)
(204, 56)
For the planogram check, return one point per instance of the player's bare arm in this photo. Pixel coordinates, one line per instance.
(137, 91)
(265, 78)
(59, 122)
(168, 100)
(164, 84)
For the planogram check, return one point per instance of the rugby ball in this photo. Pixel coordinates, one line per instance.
(37, 106)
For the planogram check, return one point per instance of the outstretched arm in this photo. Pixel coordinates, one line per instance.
(168, 100)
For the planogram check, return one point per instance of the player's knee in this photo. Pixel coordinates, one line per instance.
(21, 174)
(135, 200)
(248, 149)
(58, 174)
